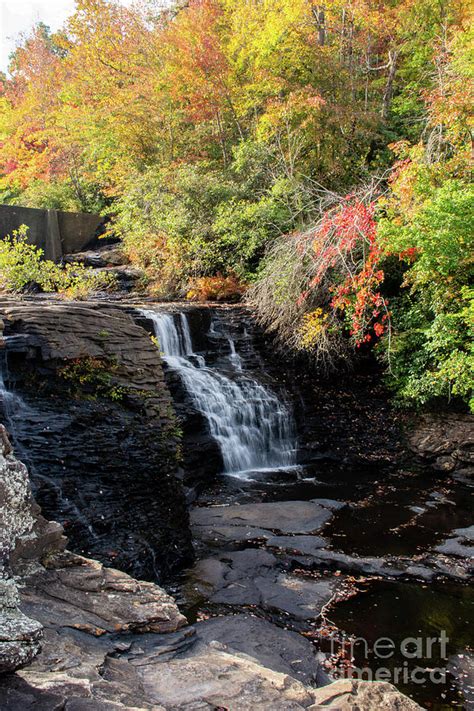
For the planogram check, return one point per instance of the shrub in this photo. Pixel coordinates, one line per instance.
(94, 376)
(22, 265)
(217, 288)
(432, 353)
(319, 290)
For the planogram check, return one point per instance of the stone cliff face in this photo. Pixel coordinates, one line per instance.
(94, 421)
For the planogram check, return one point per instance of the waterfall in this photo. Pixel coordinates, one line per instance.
(10, 403)
(252, 427)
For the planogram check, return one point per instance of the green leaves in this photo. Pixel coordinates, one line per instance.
(433, 342)
(22, 266)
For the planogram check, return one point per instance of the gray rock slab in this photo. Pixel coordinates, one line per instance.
(273, 647)
(461, 544)
(308, 545)
(300, 597)
(253, 577)
(295, 517)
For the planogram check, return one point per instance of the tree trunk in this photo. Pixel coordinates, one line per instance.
(320, 20)
(388, 91)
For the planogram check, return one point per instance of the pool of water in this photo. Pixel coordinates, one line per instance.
(438, 674)
(390, 512)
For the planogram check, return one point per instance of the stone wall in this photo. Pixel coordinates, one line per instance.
(55, 232)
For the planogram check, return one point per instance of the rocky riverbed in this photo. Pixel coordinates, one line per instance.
(284, 558)
(76, 635)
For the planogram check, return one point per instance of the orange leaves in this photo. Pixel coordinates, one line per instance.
(196, 66)
(217, 288)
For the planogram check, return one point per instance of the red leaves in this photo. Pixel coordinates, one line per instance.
(9, 166)
(346, 252)
(302, 297)
(408, 255)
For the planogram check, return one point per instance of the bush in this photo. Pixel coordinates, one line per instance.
(319, 289)
(22, 266)
(193, 221)
(217, 288)
(432, 353)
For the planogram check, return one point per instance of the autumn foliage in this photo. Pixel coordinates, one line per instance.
(319, 152)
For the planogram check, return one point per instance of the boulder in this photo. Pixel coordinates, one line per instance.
(96, 599)
(445, 440)
(20, 636)
(21, 531)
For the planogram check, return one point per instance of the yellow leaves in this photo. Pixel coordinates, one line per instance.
(312, 329)
(295, 112)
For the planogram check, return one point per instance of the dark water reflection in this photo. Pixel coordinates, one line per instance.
(401, 512)
(405, 610)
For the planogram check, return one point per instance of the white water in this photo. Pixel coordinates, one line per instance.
(252, 427)
(9, 401)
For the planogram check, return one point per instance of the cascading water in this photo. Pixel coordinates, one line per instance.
(10, 403)
(252, 427)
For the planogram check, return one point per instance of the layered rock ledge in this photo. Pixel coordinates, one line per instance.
(93, 416)
(446, 441)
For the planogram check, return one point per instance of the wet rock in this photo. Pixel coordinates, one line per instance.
(277, 649)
